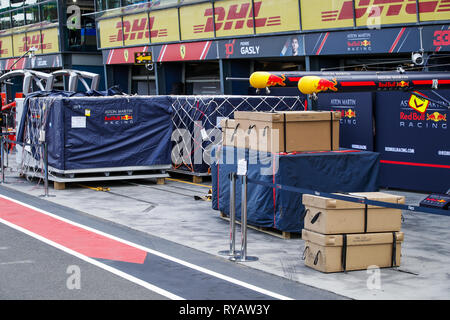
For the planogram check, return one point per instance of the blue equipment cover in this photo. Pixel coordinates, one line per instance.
(414, 146)
(99, 131)
(338, 171)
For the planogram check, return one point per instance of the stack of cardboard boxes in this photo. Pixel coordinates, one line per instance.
(285, 131)
(342, 236)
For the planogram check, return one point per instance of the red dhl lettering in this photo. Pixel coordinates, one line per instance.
(235, 17)
(388, 8)
(137, 29)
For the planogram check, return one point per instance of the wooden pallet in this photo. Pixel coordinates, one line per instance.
(270, 231)
(196, 177)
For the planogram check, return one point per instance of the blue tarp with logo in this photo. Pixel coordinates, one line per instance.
(100, 131)
(356, 125)
(414, 146)
(339, 171)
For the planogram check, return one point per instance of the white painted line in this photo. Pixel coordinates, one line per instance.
(94, 262)
(159, 254)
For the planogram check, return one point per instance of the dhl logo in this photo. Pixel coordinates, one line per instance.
(388, 8)
(137, 29)
(36, 41)
(3, 51)
(236, 17)
(436, 117)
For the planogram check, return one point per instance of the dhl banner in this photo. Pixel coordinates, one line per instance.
(193, 22)
(138, 29)
(45, 40)
(6, 47)
(235, 17)
(277, 16)
(110, 32)
(326, 14)
(164, 26)
(49, 41)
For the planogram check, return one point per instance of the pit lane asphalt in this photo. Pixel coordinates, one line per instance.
(34, 270)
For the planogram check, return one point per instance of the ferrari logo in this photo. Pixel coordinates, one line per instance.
(125, 54)
(182, 51)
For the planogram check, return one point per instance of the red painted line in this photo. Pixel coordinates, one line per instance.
(322, 44)
(294, 79)
(80, 240)
(443, 81)
(357, 83)
(414, 164)
(397, 39)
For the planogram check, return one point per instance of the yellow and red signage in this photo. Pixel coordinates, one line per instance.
(235, 17)
(326, 14)
(139, 29)
(6, 47)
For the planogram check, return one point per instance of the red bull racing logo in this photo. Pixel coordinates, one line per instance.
(436, 117)
(276, 81)
(325, 85)
(435, 120)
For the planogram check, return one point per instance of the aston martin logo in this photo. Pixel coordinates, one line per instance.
(182, 51)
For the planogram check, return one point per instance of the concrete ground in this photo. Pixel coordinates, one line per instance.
(169, 211)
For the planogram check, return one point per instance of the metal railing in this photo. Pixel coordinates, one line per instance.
(42, 145)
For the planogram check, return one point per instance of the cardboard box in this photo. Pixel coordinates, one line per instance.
(304, 131)
(228, 132)
(346, 252)
(331, 216)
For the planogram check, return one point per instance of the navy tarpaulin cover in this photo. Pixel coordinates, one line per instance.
(104, 131)
(338, 171)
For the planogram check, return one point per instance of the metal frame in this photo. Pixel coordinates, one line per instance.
(75, 75)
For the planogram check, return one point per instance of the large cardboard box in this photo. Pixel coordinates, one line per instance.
(346, 252)
(332, 216)
(286, 131)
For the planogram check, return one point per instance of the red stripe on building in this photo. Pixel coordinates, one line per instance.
(414, 164)
(357, 83)
(399, 36)
(323, 43)
(78, 239)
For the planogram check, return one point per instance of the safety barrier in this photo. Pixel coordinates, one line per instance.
(242, 255)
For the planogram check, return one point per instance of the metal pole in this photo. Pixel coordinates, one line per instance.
(46, 169)
(45, 149)
(244, 219)
(232, 252)
(243, 256)
(2, 157)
